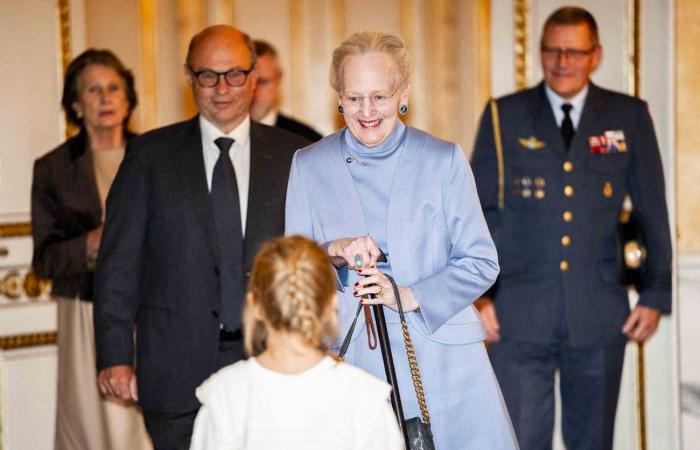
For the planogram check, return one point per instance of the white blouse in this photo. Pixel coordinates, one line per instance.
(330, 406)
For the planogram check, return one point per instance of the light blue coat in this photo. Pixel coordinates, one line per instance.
(440, 247)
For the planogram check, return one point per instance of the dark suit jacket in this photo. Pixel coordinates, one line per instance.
(296, 127)
(530, 231)
(157, 268)
(65, 207)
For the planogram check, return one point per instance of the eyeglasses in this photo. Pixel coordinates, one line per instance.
(572, 54)
(377, 99)
(210, 78)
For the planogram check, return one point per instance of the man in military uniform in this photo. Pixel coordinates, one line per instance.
(569, 153)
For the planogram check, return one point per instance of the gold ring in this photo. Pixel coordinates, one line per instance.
(381, 291)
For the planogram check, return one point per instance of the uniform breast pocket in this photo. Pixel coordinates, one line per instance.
(608, 163)
(606, 180)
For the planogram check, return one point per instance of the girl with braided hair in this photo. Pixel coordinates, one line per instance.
(291, 393)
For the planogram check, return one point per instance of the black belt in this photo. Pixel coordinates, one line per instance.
(227, 335)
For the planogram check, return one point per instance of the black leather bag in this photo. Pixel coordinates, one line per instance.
(419, 435)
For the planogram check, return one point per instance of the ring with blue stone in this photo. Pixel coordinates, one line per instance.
(358, 261)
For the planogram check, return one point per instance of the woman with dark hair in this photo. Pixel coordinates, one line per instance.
(70, 185)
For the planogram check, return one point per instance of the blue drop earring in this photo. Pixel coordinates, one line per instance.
(403, 109)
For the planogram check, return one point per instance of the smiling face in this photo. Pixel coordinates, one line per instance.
(221, 49)
(568, 74)
(102, 100)
(369, 97)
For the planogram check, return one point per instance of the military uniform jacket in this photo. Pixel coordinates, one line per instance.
(557, 232)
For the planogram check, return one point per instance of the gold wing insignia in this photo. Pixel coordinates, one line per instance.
(531, 143)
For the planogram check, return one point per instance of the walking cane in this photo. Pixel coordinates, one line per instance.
(387, 358)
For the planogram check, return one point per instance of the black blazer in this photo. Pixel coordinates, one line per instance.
(157, 268)
(65, 207)
(296, 127)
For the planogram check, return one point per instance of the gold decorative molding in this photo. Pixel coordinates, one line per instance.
(521, 19)
(298, 61)
(13, 285)
(64, 27)
(34, 286)
(27, 340)
(66, 52)
(641, 399)
(634, 20)
(687, 126)
(15, 229)
(634, 46)
(483, 37)
(149, 54)
(191, 18)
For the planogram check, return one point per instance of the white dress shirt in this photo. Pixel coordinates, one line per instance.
(239, 154)
(577, 103)
(271, 118)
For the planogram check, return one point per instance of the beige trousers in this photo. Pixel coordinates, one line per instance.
(85, 419)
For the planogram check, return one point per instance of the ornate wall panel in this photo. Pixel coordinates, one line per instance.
(687, 93)
(448, 71)
(29, 111)
(31, 125)
(688, 125)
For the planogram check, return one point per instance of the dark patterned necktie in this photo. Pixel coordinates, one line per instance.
(567, 125)
(227, 220)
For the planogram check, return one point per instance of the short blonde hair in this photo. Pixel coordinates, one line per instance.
(293, 285)
(370, 42)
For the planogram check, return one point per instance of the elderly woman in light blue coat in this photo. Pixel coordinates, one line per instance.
(379, 184)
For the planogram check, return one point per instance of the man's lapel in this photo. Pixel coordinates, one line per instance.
(259, 191)
(545, 124)
(190, 161)
(590, 120)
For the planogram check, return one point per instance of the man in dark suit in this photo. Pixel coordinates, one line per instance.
(265, 107)
(571, 152)
(187, 212)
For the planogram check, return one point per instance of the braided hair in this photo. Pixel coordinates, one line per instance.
(293, 287)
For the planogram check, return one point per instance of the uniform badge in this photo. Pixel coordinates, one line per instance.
(616, 141)
(531, 143)
(607, 190)
(612, 141)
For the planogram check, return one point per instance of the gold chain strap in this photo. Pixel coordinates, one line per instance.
(411, 354)
(415, 372)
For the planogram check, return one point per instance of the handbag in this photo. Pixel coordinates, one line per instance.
(416, 430)
(420, 437)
